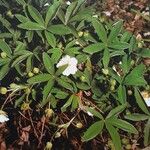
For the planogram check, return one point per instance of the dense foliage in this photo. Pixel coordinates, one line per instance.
(62, 67)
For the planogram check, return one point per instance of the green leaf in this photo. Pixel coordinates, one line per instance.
(136, 76)
(40, 78)
(21, 18)
(122, 94)
(65, 84)
(50, 39)
(115, 31)
(114, 135)
(147, 133)
(69, 11)
(83, 86)
(30, 35)
(75, 102)
(29, 64)
(94, 48)
(59, 29)
(19, 101)
(106, 58)
(137, 117)
(119, 46)
(93, 130)
(21, 2)
(29, 25)
(60, 70)
(5, 48)
(47, 88)
(56, 54)
(52, 10)
(35, 14)
(94, 112)
(4, 70)
(67, 104)
(48, 63)
(117, 110)
(140, 101)
(100, 30)
(21, 58)
(123, 125)
(145, 53)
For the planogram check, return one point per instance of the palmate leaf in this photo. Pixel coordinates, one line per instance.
(93, 130)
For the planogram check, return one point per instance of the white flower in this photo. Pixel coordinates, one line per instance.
(95, 16)
(72, 65)
(107, 13)
(89, 113)
(3, 117)
(47, 4)
(68, 3)
(147, 101)
(146, 97)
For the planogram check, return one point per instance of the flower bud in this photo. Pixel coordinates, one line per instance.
(48, 146)
(30, 74)
(105, 71)
(36, 70)
(3, 90)
(3, 55)
(79, 125)
(49, 112)
(25, 106)
(80, 33)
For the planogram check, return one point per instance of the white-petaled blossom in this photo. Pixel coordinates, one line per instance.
(68, 3)
(3, 117)
(72, 65)
(107, 13)
(146, 97)
(46, 4)
(89, 113)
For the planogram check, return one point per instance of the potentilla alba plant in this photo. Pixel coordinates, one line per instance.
(3, 117)
(72, 65)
